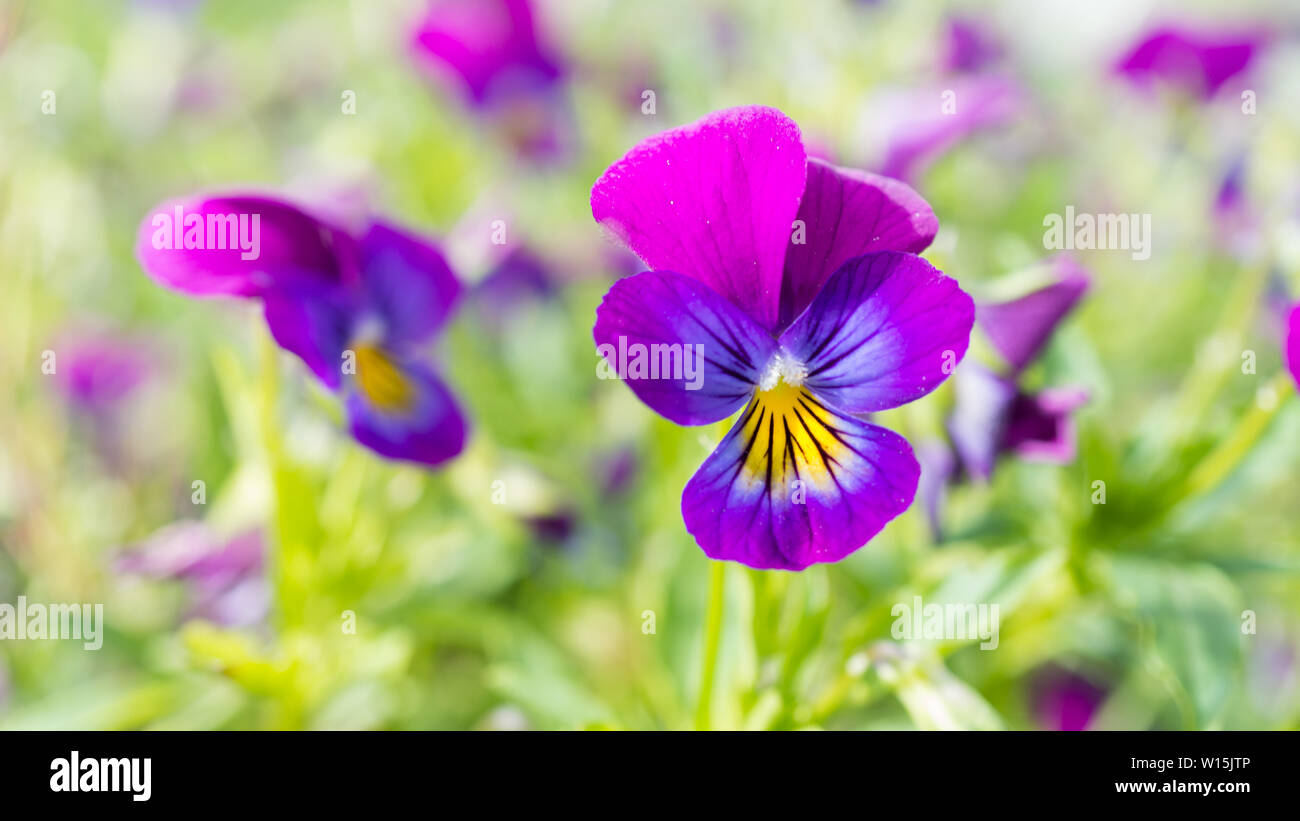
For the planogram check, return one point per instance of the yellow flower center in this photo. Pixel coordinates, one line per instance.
(787, 436)
(382, 381)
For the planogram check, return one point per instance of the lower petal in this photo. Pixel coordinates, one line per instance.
(414, 417)
(795, 483)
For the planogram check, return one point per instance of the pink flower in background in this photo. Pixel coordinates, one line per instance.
(1197, 62)
(95, 370)
(968, 46)
(917, 126)
(225, 576)
(490, 53)
(1064, 700)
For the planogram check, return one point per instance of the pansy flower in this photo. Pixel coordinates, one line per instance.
(491, 54)
(1196, 63)
(795, 289)
(992, 414)
(356, 308)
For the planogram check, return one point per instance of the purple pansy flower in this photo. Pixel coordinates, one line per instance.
(491, 54)
(225, 577)
(357, 309)
(992, 414)
(794, 287)
(1197, 63)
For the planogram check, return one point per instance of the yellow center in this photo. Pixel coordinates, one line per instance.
(788, 435)
(382, 382)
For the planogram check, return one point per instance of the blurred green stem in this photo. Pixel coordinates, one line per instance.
(1207, 379)
(712, 637)
(1230, 453)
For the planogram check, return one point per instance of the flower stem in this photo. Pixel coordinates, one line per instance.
(1225, 458)
(712, 637)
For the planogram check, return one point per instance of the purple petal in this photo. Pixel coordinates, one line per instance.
(886, 329)
(715, 200)
(1293, 344)
(1020, 328)
(519, 279)
(316, 324)
(721, 350)
(938, 469)
(846, 214)
(283, 243)
(1198, 63)
(486, 47)
(1040, 428)
(969, 46)
(979, 417)
(401, 410)
(408, 283)
(796, 482)
(918, 131)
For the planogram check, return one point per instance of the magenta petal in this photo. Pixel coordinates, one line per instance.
(663, 318)
(1196, 62)
(429, 431)
(795, 484)
(1293, 344)
(291, 246)
(315, 324)
(1020, 328)
(886, 329)
(715, 200)
(409, 284)
(846, 214)
(488, 47)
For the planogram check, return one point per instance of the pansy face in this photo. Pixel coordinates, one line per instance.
(356, 309)
(792, 287)
(364, 338)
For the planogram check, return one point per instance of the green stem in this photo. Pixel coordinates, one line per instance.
(712, 637)
(1225, 458)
